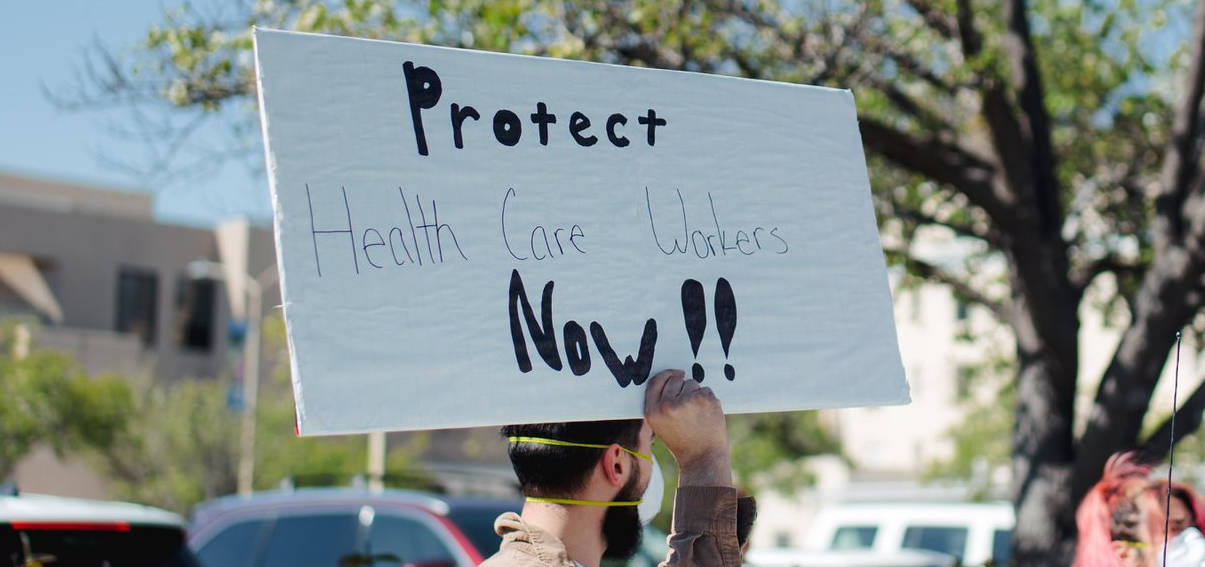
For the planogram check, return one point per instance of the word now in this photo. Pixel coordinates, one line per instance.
(577, 350)
(425, 89)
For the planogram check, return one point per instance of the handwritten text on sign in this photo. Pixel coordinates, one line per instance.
(476, 239)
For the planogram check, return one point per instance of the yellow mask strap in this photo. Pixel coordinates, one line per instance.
(1131, 543)
(559, 443)
(572, 502)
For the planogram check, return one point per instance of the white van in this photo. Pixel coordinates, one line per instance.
(782, 557)
(975, 533)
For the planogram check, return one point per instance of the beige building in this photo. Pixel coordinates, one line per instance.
(111, 286)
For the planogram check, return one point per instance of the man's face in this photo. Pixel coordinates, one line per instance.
(621, 525)
(645, 446)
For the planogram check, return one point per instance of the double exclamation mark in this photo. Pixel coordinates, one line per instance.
(694, 311)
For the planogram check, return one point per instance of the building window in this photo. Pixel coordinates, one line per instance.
(195, 313)
(137, 297)
(962, 310)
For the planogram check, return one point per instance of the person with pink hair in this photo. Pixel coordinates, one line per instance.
(1120, 521)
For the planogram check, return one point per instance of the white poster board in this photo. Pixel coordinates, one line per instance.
(470, 238)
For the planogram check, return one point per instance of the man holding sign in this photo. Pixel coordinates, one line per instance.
(590, 485)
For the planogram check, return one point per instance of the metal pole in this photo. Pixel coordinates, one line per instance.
(376, 460)
(251, 348)
(21, 341)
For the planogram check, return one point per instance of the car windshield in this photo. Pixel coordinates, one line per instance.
(99, 545)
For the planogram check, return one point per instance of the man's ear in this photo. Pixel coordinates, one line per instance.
(615, 468)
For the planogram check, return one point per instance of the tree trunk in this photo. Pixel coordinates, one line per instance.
(1046, 326)
(1043, 462)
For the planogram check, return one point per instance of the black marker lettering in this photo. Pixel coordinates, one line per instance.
(505, 240)
(426, 228)
(365, 245)
(678, 247)
(401, 238)
(774, 233)
(629, 371)
(578, 122)
(755, 239)
(574, 233)
(741, 238)
(439, 228)
(694, 240)
(724, 247)
(577, 350)
(458, 116)
(314, 232)
(507, 128)
(543, 336)
(653, 122)
(614, 119)
(532, 243)
(556, 237)
(542, 119)
(424, 89)
(410, 221)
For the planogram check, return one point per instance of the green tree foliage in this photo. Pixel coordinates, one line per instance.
(46, 399)
(182, 446)
(768, 449)
(1054, 143)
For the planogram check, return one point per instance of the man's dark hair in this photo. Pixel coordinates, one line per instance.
(553, 471)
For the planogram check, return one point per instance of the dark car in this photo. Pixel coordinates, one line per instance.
(37, 529)
(337, 527)
(343, 527)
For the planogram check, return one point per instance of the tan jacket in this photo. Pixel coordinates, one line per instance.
(703, 534)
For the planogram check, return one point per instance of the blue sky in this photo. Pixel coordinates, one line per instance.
(41, 42)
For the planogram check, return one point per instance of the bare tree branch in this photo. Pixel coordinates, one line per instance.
(941, 22)
(919, 218)
(960, 286)
(1027, 82)
(1082, 276)
(972, 42)
(926, 116)
(1169, 296)
(1188, 419)
(941, 161)
(1183, 150)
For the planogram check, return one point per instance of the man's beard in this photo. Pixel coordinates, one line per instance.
(621, 525)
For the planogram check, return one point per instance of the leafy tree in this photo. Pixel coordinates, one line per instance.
(768, 449)
(181, 448)
(183, 445)
(1060, 140)
(46, 399)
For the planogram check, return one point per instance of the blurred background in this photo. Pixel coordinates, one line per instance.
(1037, 176)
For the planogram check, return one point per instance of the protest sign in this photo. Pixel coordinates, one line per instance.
(471, 238)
